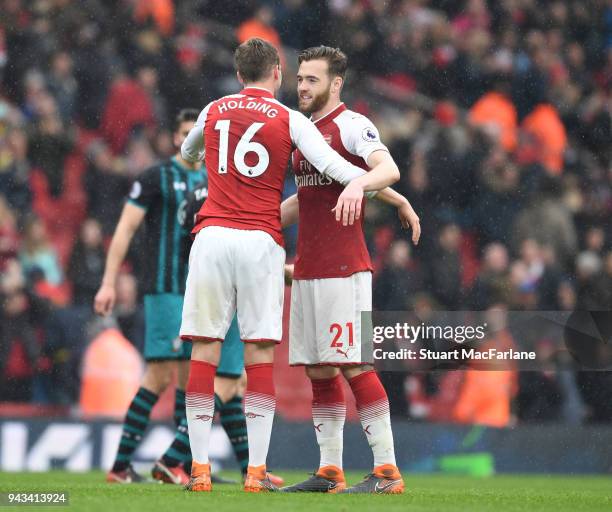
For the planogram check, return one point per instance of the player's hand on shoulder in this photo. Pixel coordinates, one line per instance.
(410, 219)
(104, 302)
(348, 207)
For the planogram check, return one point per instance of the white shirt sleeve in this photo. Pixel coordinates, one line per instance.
(359, 135)
(311, 143)
(192, 148)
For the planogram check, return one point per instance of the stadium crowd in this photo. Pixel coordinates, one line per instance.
(498, 113)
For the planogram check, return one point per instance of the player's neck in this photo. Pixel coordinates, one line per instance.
(184, 163)
(261, 85)
(329, 107)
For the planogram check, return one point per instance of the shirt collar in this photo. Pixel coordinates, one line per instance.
(257, 92)
(332, 114)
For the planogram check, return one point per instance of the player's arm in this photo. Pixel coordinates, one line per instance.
(131, 218)
(405, 212)
(360, 137)
(311, 143)
(192, 148)
(290, 209)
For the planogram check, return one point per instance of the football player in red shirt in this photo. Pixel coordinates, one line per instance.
(333, 283)
(236, 264)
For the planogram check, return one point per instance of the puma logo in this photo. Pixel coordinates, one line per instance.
(252, 415)
(203, 417)
(367, 430)
(318, 427)
(344, 353)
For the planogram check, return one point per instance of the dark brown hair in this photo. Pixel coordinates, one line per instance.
(254, 59)
(184, 116)
(337, 61)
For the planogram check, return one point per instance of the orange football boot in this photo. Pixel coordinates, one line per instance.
(327, 479)
(200, 478)
(385, 479)
(257, 480)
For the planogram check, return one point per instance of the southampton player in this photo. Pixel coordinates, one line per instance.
(332, 283)
(236, 264)
(228, 380)
(158, 199)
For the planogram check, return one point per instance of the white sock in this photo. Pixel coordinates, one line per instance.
(259, 412)
(328, 422)
(376, 423)
(200, 412)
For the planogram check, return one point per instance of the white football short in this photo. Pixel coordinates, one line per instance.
(325, 322)
(234, 270)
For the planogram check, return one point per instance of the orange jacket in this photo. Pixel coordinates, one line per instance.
(255, 28)
(497, 110)
(162, 12)
(548, 132)
(111, 374)
(485, 397)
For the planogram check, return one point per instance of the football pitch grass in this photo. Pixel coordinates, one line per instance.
(525, 493)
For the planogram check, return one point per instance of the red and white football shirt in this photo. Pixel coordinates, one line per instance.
(326, 248)
(247, 140)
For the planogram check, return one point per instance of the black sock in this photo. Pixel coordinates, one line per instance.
(234, 424)
(179, 406)
(179, 451)
(134, 426)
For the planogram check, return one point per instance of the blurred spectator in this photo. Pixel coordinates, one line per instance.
(20, 349)
(93, 81)
(111, 371)
(300, 22)
(15, 172)
(548, 221)
(496, 114)
(593, 284)
(261, 25)
(398, 280)
(128, 106)
(106, 185)
(160, 11)
(147, 77)
(9, 237)
(540, 396)
(50, 143)
(547, 137)
(191, 76)
(595, 239)
(87, 263)
(63, 85)
(492, 283)
(498, 199)
(444, 269)
(38, 254)
(484, 393)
